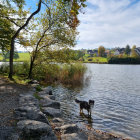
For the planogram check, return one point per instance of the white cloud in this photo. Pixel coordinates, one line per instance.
(110, 23)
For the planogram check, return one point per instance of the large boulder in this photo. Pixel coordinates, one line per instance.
(52, 112)
(33, 129)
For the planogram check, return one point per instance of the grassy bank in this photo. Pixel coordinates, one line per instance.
(22, 57)
(95, 60)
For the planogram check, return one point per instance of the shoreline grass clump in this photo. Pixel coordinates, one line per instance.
(72, 74)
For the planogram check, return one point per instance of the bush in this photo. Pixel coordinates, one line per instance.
(4, 69)
(18, 68)
(71, 74)
(66, 73)
(124, 60)
(21, 68)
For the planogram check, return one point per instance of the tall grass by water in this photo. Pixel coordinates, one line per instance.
(68, 74)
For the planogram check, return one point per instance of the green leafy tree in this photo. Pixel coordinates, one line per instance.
(57, 31)
(14, 8)
(133, 52)
(101, 51)
(127, 50)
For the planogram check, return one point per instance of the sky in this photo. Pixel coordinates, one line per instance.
(111, 23)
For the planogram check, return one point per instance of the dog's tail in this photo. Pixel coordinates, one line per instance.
(77, 101)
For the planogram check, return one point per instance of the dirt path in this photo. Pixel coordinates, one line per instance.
(9, 93)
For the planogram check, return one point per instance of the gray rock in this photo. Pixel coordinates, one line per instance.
(57, 120)
(47, 90)
(33, 129)
(50, 103)
(29, 98)
(31, 113)
(69, 128)
(8, 133)
(50, 136)
(52, 97)
(74, 136)
(52, 112)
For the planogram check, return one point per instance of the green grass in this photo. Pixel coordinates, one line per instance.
(37, 96)
(22, 57)
(95, 60)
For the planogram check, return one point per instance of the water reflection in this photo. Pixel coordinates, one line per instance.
(116, 91)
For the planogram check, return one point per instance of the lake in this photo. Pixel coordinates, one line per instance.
(116, 91)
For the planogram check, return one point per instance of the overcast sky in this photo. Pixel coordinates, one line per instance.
(110, 23)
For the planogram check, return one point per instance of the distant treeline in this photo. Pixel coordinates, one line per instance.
(127, 60)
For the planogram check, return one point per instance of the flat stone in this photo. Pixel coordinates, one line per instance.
(52, 112)
(33, 129)
(52, 97)
(57, 120)
(50, 103)
(69, 128)
(47, 90)
(74, 136)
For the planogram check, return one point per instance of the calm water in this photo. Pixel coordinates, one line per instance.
(116, 91)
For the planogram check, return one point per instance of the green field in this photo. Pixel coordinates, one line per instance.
(22, 57)
(95, 60)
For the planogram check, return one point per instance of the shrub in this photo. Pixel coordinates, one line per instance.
(124, 60)
(71, 74)
(66, 73)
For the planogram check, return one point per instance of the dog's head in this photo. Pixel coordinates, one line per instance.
(91, 102)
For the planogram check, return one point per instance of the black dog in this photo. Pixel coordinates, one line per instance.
(85, 105)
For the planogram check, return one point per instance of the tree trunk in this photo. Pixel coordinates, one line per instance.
(31, 68)
(14, 37)
(11, 59)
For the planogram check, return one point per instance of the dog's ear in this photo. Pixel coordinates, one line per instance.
(91, 101)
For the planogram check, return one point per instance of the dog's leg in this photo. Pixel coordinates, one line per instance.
(90, 112)
(80, 110)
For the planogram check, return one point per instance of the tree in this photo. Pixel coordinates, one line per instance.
(127, 50)
(57, 31)
(71, 11)
(16, 34)
(133, 52)
(101, 51)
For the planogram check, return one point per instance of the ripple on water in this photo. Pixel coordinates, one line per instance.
(116, 91)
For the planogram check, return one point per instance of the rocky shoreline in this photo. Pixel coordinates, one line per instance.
(38, 117)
